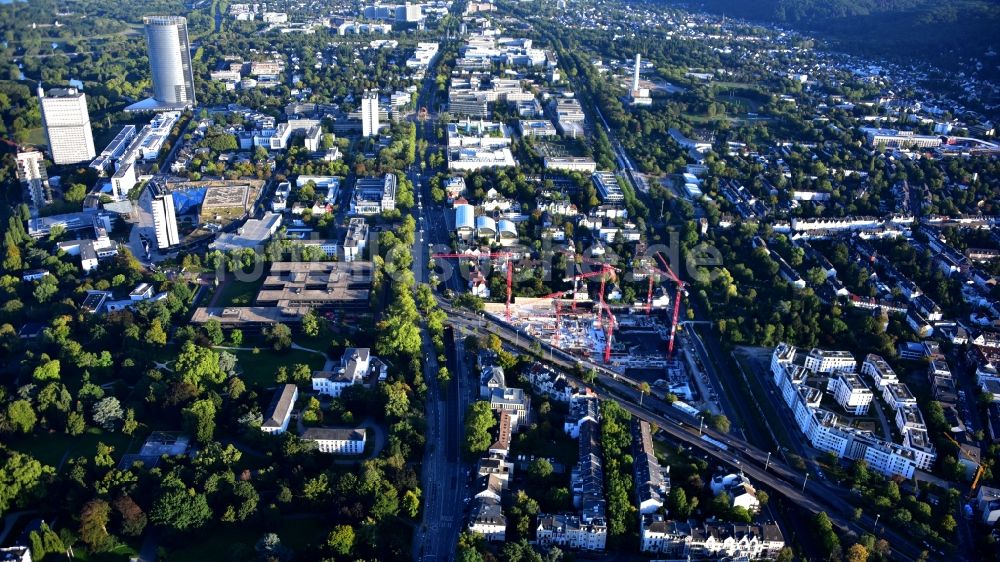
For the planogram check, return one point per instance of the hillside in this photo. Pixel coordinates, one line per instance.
(942, 32)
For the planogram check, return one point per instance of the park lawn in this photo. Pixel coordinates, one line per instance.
(258, 370)
(123, 551)
(49, 448)
(295, 532)
(216, 546)
(239, 293)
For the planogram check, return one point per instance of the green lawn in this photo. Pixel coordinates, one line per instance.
(49, 448)
(239, 293)
(296, 533)
(258, 369)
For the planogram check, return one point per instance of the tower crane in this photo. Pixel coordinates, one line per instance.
(677, 302)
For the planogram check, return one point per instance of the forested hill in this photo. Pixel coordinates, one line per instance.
(941, 30)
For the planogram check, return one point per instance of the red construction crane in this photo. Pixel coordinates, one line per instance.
(510, 270)
(557, 296)
(677, 303)
(608, 332)
(605, 272)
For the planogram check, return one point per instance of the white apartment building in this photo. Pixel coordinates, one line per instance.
(824, 361)
(67, 125)
(337, 440)
(164, 220)
(570, 531)
(369, 114)
(280, 411)
(824, 429)
(34, 178)
(693, 540)
(879, 370)
(852, 394)
(487, 519)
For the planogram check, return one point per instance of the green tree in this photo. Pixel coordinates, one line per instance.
(310, 324)
(199, 419)
(75, 423)
(479, 421)
(196, 364)
(341, 539)
(94, 521)
(411, 502)
(47, 371)
(279, 336)
(213, 330)
(397, 400)
(540, 469)
(156, 335)
(180, 509)
(21, 478)
(129, 425)
(21, 416)
(236, 337)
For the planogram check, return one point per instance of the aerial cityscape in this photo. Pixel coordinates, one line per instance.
(500, 280)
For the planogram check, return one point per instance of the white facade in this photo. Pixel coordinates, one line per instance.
(281, 410)
(31, 171)
(826, 432)
(337, 441)
(850, 393)
(823, 361)
(165, 221)
(67, 125)
(170, 60)
(369, 114)
(123, 181)
(569, 531)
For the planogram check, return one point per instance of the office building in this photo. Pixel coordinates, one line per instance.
(164, 220)
(357, 366)
(280, 410)
(34, 178)
(608, 188)
(323, 285)
(170, 64)
(369, 114)
(67, 125)
(338, 441)
(356, 239)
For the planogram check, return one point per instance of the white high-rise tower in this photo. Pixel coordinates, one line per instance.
(169, 52)
(369, 114)
(638, 95)
(635, 75)
(67, 125)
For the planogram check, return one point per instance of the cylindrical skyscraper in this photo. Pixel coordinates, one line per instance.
(635, 75)
(170, 60)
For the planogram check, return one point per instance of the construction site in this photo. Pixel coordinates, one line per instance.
(636, 340)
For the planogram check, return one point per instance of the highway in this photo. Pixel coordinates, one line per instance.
(812, 495)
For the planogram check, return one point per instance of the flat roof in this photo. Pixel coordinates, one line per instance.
(334, 434)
